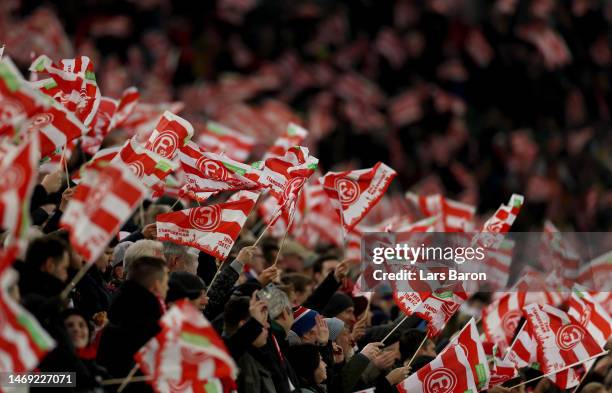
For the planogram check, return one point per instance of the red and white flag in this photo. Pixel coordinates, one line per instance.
(100, 126)
(455, 216)
(523, 351)
(391, 47)
(23, 342)
(294, 136)
(500, 318)
(557, 253)
(597, 274)
(561, 341)
(469, 340)
(19, 170)
(590, 314)
(439, 307)
(170, 134)
(102, 202)
(210, 172)
(127, 104)
(148, 166)
(144, 116)
(406, 108)
(236, 145)
(504, 217)
(212, 229)
(449, 372)
(72, 83)
(187, 355)
(354, 193)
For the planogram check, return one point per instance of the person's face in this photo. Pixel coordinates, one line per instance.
(59, 269)
(285, 319)
(160, 288)
(77, 330)
(118, 272)
(261, 340)
(344, 340)
(201, 302)
(104, 259)
(320, 374)
(347, 316)
(259, 262)
(310, 337)
(300, 297)
(429, 349)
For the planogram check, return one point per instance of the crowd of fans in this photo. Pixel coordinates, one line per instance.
(492, 109)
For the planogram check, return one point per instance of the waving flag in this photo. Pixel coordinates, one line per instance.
(591, 316)
(237, 146)
(354, 193)
(72, 83)
(170, 134)
(504, 217)
(103, 201)
(209, 172)
(144, 117)
(439, 307)
(556, 253)
(455, 216)
(19, 171)
(449, 372)
(148, 166)
(561, 341)
(469, 340)
(187, 355)
(212, 229)
(500, 318)
(294, 136)
(23, 342)
(127, 104)
(523, 351)
(100, 126)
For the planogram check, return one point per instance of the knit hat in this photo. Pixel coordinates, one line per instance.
(184, 285)
(304, 320)
(119, 253)
(335, 327)
(337, 303)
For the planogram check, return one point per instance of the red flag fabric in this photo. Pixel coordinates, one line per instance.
(212, 229)
(19, 170)
(209, 172)
(294, 136)
(72, 83)
(561, 341)
(235, 145)
(449, 372)
(354, 193)
(102, 202)
(100, 126)
(456, 216)
(500, 318)
(591, 316)
(187, 355)
(23, 342)
(469, 340)
(170, 134)
(148, 166)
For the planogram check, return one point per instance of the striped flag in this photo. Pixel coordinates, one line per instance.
(523, 351)
(561, 341)
(212, 229)
(103, 201)
(210, 172)
(72, 83)
(148, 166)
(500, 318)
(23, 342)
(354, 193)
(490, 235)
(439, 307)
(455, 216)
(19, 170)
(170, 134)
(294, 136)
(597, 274)
(100, 126)
(238, 146)
(187, 355)
(591, 316)
(469, 340)
(449, 372)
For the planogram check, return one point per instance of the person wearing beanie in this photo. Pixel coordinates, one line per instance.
(341, 306)
(335, 326)
(305, 324)
(309, 366)
(185, 285)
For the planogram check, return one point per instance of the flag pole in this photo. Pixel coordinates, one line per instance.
(280, 246)
(272, 222)
(395, 328)
(558, 371)
(417, 351)
(75, 280)
(66, 167)
(128, 379)
(587, 371)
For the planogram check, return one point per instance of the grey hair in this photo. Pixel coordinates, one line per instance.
(142, 248)
(183, 253)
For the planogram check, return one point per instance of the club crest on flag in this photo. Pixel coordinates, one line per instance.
(137, 168)
(9, 109)
(510, 322)
(40, 121)
(165, 144)
(569, 336)
(348, 190)
(212, 169)
(13, 177)
(441, 380)
(206, 218)
(293, 186)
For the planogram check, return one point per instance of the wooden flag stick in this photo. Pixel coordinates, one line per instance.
(558, 371)
(274, 216)
(75, 280)
(66, 167)
(280, 246)
(581, 379)
(128, 379)
(216, 274)
(118, 381)
(395, 328)
(174, 204)
(417, 351)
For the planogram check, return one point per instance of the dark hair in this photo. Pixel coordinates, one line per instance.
(298, 281)
(43, 248)
(305, 360)
(317, 267)
(73, 311)
(236, 310)
(409, 342)
(146, 270)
